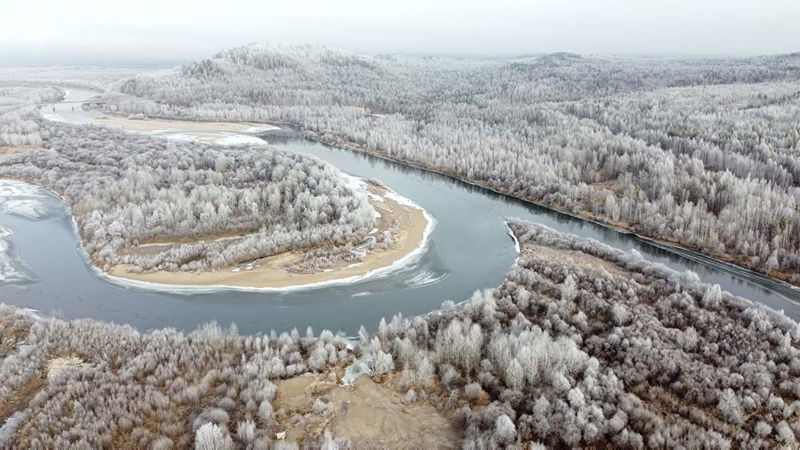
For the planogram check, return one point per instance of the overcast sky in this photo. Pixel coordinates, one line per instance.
(142, 30)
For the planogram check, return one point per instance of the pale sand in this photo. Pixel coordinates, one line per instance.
(179, 125)
(573, 258)
(13, 150)
(60, 364)
(370, 414)
(271, 273)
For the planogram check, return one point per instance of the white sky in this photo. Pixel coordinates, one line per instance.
(140, 30)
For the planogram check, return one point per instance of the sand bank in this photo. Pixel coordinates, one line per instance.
(413, 227)
(16, 149)
(182, 125)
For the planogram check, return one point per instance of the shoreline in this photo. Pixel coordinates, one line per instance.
(174, 125)
(273, 277)
(659, 242)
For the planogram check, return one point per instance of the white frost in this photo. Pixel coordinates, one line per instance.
(8, 269)
(240, 139)
(382, 271)
(29, 208)
(261, 128)
(12, 188)
(22, 199)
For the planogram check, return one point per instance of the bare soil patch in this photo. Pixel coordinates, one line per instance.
(572, 257)
(370, 414)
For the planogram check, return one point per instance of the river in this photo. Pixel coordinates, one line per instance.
(469, 250)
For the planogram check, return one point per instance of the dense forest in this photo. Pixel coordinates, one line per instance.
(585, 345)
(87, 384)
(199, 206)
(17, 113)
(700, 152)
(582, 345)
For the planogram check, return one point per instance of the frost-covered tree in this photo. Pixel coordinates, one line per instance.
(633, 354)
(211, 437)
(93, 384)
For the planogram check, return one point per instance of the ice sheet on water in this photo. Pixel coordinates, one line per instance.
(12, 188)
(22, 199)
(355, 184)
(359, 367)
(240, 139)
(9, 271)
(514, 237)
(53, 117)
(215, 137)
(29, 208)
(424, 279)
(261, 128)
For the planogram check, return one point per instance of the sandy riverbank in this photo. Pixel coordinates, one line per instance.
(413, 226)
(182, 125)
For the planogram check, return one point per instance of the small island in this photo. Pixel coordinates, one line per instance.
(190, 211)
(407, 225)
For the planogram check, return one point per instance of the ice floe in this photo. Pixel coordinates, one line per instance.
(9, 270)
(22, 199)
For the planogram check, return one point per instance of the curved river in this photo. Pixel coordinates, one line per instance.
(469, 249)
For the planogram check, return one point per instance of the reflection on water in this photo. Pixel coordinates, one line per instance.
(469, 250)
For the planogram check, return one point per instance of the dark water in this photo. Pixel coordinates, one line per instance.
(470, 249)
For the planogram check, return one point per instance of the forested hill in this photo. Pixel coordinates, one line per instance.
(701, 152)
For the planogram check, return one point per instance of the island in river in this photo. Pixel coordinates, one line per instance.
(406, 225)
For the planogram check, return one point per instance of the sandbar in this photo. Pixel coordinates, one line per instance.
(270, 272)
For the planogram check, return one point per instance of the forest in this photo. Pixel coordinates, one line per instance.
(17, 113)
(582, 345)
(157, 204)
(699, 152)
